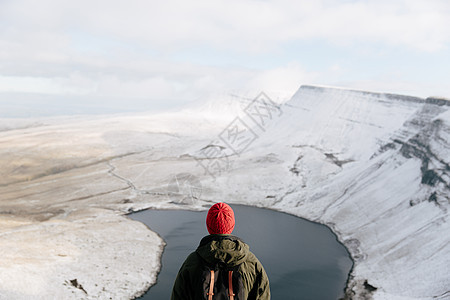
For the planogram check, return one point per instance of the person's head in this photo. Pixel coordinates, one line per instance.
(220, 219)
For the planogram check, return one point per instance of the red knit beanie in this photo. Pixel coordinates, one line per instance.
(220, 219)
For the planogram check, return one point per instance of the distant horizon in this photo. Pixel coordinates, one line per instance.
(30, 106)
(38, 105)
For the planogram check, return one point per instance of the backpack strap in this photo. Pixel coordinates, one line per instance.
(211, 286)
(230, 285)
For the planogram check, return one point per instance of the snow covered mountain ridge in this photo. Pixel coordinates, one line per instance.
(374, 167)
(388, 200)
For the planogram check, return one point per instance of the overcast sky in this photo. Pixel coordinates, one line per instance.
(165, 53)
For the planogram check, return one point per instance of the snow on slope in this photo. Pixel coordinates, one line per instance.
(374, 167)
(77, 256)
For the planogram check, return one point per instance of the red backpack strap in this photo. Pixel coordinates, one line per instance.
(211, 286)
(230, 285)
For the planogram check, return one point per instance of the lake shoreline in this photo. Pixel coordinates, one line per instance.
(205, 206)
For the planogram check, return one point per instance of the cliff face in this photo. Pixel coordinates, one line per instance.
(387, 195)
(374, 167)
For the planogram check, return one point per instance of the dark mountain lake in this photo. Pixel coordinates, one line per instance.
(303, 259)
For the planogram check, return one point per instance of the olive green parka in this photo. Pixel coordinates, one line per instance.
(224, 249)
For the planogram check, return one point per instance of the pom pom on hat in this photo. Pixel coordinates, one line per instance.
(220, 219)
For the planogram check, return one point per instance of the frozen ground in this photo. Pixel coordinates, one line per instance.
(373, 167)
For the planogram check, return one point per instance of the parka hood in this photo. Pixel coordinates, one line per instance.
(223, 249)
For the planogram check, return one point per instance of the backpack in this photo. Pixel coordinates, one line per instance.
(220, 282)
